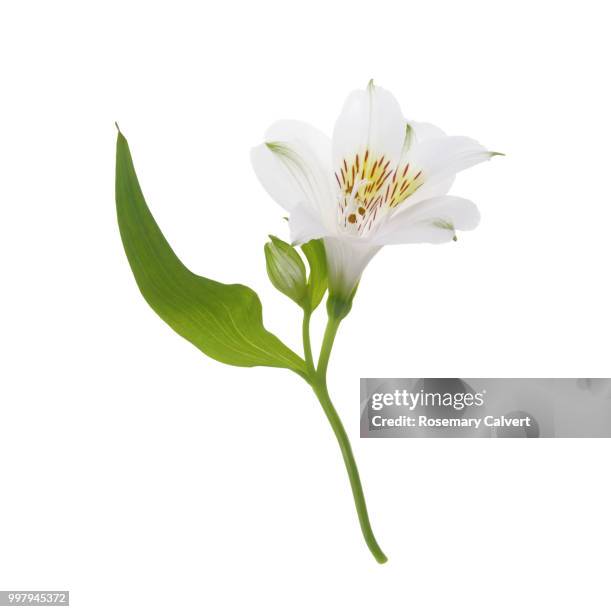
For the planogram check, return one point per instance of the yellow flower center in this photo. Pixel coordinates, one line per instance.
(370, 186)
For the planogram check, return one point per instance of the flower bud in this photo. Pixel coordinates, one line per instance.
(286, 270)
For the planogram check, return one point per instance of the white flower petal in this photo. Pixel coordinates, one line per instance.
(275, 178)
(435, 220)
(424, 131)
(304, 225)
(371, 119)
(415, 132)
(307, 135)
(430, 189)
(418, 132)
(346, 260)
(294, 167)
(440, 158)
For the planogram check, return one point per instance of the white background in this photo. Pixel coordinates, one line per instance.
(140, 474)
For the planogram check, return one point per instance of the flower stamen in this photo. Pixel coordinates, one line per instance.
(367, 184)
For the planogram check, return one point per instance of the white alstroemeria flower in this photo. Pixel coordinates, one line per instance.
(380, 180)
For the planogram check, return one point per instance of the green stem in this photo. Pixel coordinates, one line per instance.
(307, 345)
(325, 349)
(319, 385)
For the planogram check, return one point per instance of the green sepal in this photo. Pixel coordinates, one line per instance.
(338, 307)
(224, 321)
(314, 250)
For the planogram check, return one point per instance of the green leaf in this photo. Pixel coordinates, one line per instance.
(223, 321)
(317, 281)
